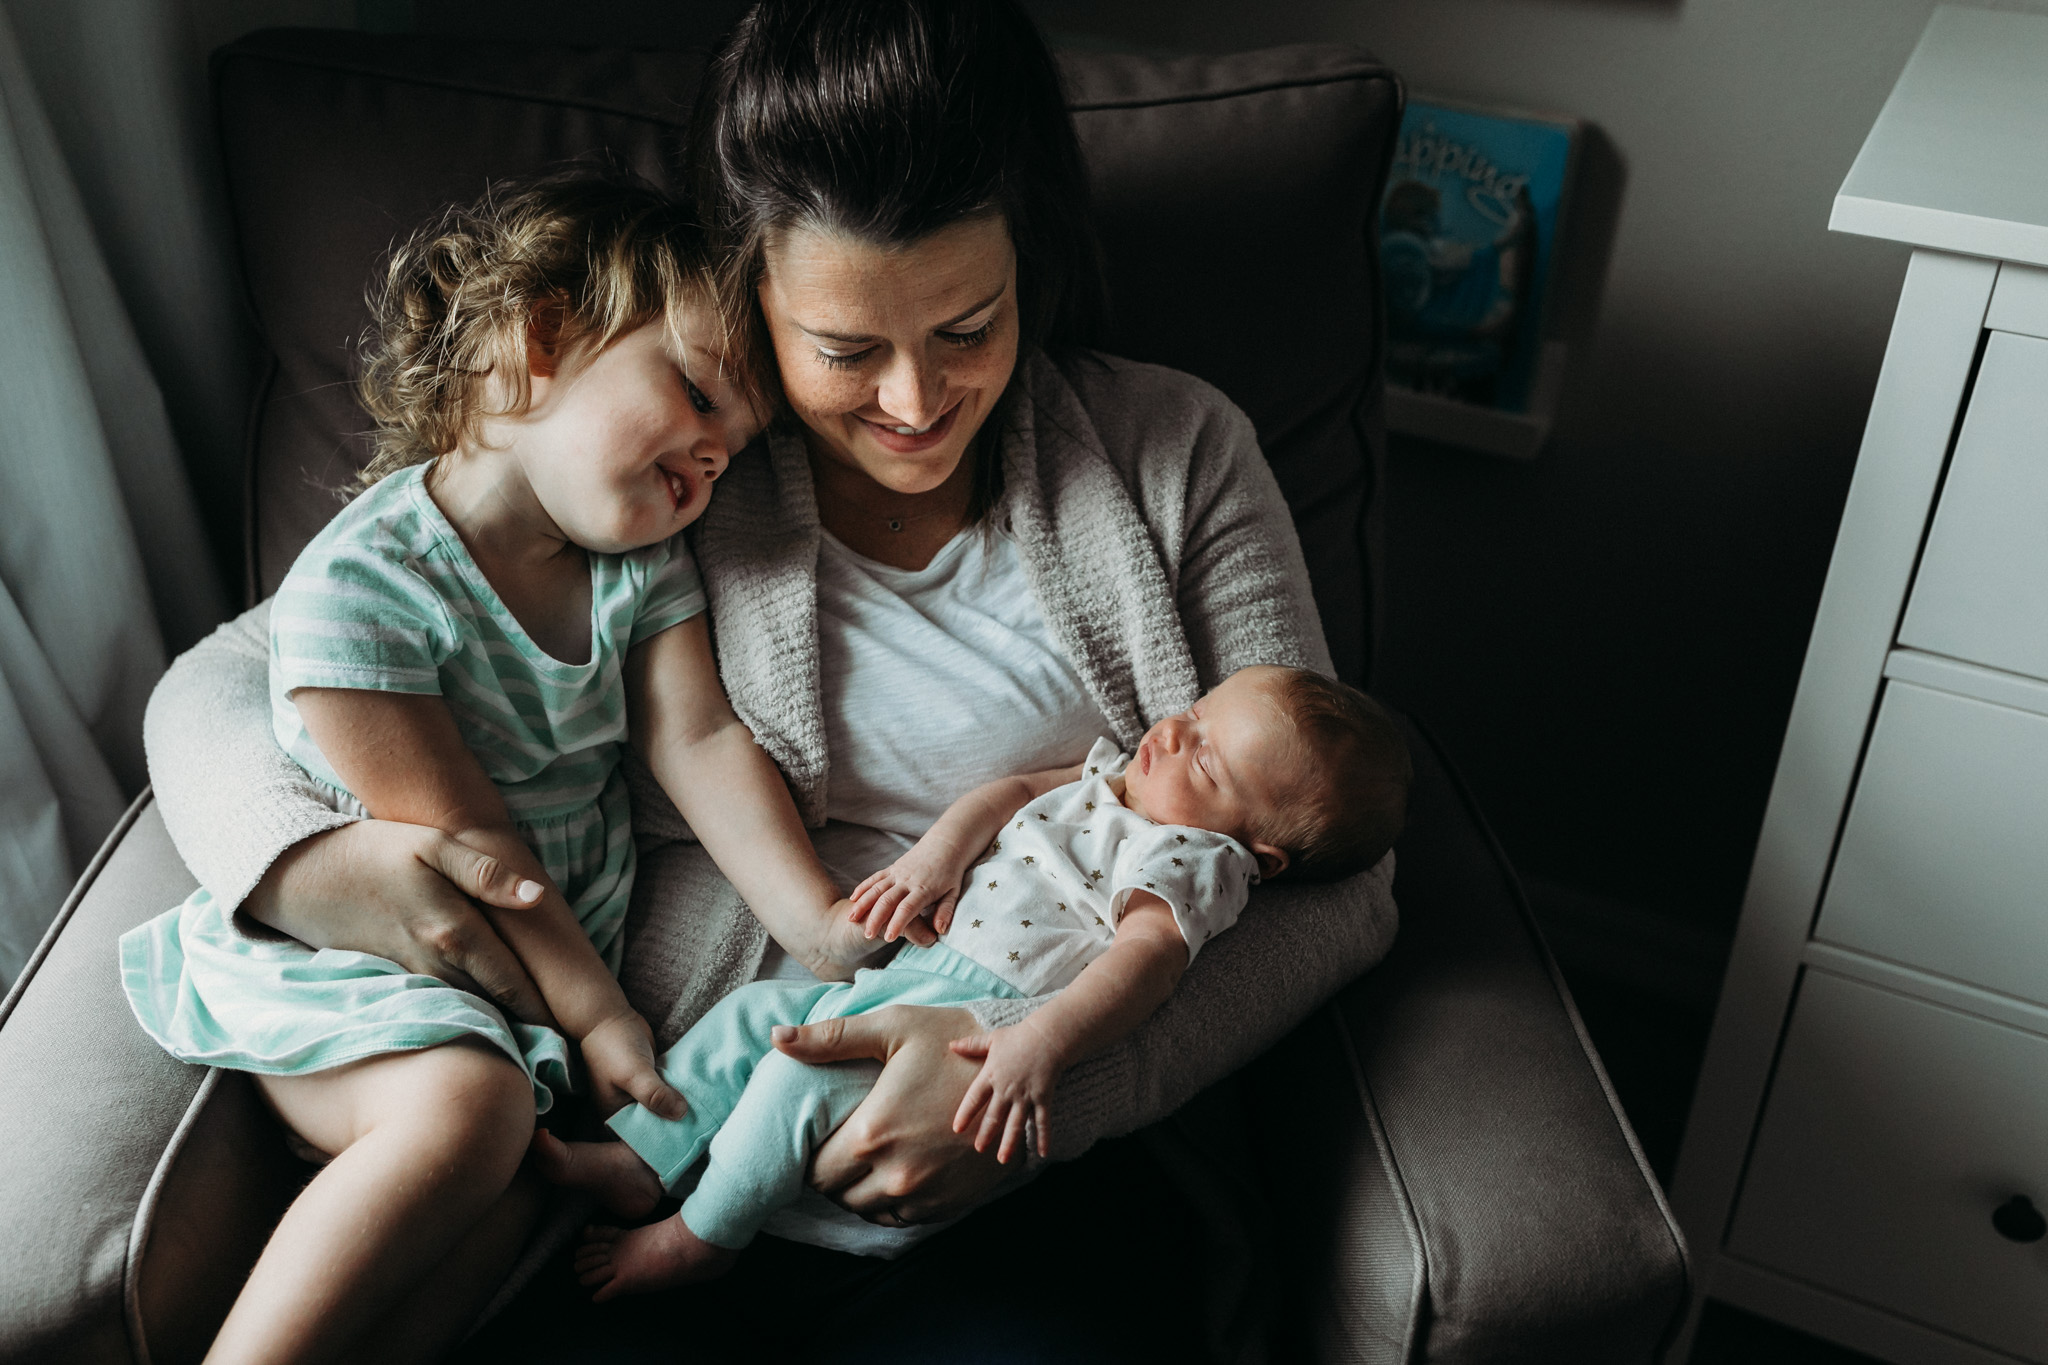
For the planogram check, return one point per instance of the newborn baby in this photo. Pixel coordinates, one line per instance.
(1098, 882)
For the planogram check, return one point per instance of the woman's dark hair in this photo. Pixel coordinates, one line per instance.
(886, 120)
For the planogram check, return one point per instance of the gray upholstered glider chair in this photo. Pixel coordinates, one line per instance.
(1432, 1168)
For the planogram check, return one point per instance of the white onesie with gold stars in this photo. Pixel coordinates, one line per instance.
(1041, 906)
(1045, 901)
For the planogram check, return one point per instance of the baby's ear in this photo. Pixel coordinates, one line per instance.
(1273, 860)
(544, 339)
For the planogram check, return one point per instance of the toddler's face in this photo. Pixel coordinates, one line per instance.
(621, 447)
(1223, 764)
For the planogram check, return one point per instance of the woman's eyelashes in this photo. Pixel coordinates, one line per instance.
(840, 360)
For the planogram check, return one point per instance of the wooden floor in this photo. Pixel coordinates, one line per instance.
(1652, 1051)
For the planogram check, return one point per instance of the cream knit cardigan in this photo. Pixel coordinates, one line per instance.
(1164, 558)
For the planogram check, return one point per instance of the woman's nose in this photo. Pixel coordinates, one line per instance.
(913, 391)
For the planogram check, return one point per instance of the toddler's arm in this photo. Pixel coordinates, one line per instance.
(730, 791)
(404, 759)
(1114, 994)
(927, 878)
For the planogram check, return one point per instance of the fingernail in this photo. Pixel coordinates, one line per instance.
(782, 1033)
(528, 891)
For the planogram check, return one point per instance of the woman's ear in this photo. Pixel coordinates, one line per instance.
(1273, 859)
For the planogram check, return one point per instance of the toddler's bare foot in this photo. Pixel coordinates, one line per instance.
(615, 1261)
(612, 1172)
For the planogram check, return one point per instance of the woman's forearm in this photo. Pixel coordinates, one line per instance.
(233, 801)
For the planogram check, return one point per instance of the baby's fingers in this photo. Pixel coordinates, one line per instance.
(1013, 1133)
(1040, 1119)
(942, 916)
(905, 915)
(977, 1095)
(973, 1045)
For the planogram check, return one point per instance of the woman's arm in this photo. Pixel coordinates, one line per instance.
(256, 830)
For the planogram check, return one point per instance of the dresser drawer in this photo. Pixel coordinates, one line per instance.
(1943, 863)
(1982, 590)
(1894, 1129)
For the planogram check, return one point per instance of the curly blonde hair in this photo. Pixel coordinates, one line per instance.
(586, 256)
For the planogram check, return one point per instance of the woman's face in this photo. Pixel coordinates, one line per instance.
(893, 356)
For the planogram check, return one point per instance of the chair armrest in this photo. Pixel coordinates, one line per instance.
(1455, 1176)
(137, 1190)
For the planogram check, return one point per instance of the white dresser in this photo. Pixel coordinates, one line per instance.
(1867, 1156)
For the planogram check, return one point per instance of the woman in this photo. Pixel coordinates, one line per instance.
(968, 548)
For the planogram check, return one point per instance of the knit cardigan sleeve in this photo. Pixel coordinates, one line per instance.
(232, 800)
(1190, 459)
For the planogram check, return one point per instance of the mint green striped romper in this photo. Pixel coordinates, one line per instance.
(387, 599)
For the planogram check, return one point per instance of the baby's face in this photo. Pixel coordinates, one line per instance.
(1224, 764)
(621, 447)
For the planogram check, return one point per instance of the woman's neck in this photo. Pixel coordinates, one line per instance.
(902, 530)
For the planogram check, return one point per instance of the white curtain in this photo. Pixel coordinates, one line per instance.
(115, 293)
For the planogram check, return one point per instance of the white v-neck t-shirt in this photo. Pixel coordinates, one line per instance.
(936, 680)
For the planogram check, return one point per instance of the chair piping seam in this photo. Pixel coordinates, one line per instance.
(72, 902)
(145, 1215)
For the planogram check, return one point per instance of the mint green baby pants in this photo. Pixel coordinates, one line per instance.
(759, 1114)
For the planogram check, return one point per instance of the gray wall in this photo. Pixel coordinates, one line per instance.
(1607, 639)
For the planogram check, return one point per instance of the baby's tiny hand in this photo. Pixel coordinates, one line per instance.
(1019, 1070)
(919, 883)
(620, 1056)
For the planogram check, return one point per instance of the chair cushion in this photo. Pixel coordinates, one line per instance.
(1234, 195)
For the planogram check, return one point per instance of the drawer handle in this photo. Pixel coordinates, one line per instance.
(2017, 1220)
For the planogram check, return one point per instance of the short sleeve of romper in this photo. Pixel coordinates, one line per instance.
(1204, 877)
(360, 614)
(672, 591)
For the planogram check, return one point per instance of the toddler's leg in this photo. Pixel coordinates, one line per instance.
(425, 1144)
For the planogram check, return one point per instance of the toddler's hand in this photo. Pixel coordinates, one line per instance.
(1019, 1069)
(620, 1055)
(921, 882)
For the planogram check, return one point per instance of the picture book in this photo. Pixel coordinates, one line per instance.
(1468, 233)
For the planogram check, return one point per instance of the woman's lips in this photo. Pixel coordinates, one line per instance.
(898, 444)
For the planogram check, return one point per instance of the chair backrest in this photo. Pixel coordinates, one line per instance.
(1235, 196)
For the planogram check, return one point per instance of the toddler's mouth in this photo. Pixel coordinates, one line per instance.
(680, 490)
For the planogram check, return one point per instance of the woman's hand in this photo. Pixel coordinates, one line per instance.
(897, 1160)
(402, 892)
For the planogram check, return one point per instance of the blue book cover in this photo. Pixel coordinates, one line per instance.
(1468, 230)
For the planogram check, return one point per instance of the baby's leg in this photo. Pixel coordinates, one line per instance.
(425, 1144)
(758, 1161)
(710, 1065)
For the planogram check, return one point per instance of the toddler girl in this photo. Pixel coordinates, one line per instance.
(1100, 882)
(460, 648)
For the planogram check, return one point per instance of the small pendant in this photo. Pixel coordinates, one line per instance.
(895, 525)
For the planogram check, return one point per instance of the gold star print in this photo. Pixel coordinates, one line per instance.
(1088, 805)
(1151, 886)
(1180, 838)
(1013, 957)
(1020, 824)
(1098, 919)
(1096, 875)
(1028, 859)
(975, 924)
(1027, 924)
(1063, 905)
(1087, 831)
(991, 886)
(1176, 862)
(1043, 816)
(996, 847)
(1093, 771)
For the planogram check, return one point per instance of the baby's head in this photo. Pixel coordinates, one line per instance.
(570, 321)
(1310, 775)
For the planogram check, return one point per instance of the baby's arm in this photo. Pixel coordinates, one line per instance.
(1109, 999)
(730, 791)
(927, 878)
(404, 759)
